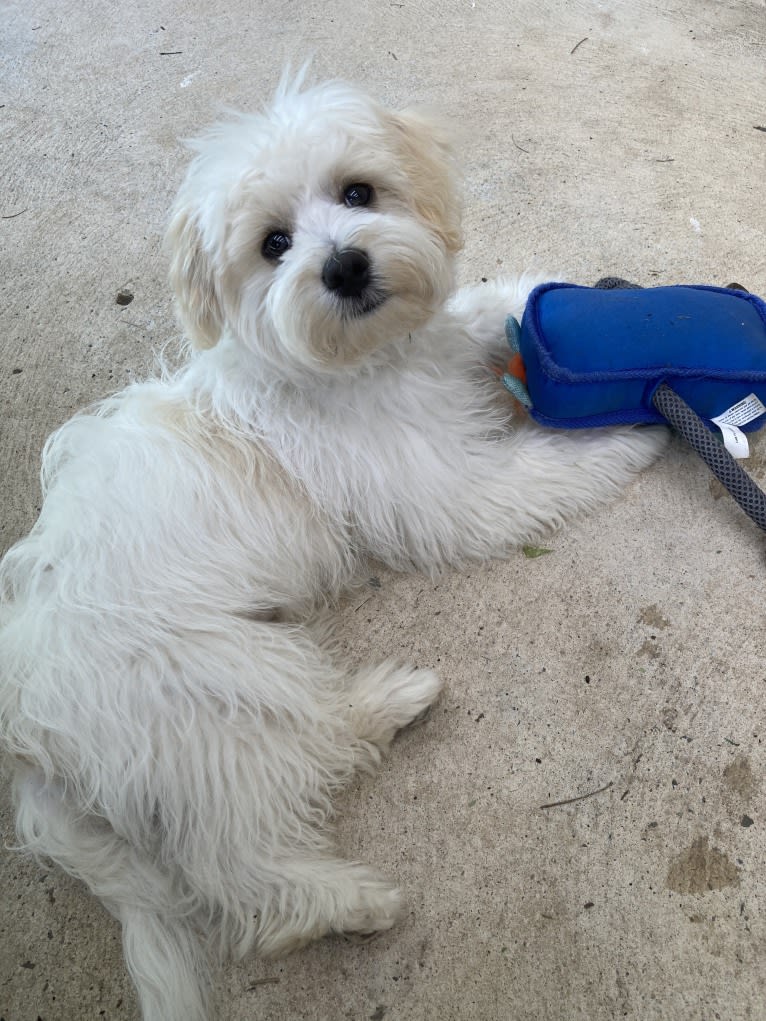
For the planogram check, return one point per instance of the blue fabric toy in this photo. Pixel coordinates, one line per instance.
(617, 354)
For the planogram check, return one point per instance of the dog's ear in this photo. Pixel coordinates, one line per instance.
(426, 150)
(193, 280)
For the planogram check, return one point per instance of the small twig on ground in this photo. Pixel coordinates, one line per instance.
(170, 53)
(271, 980)
(12, 216)
(578, 45)
(580, 797)
(519, 146)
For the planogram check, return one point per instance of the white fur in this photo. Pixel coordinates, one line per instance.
(177, 723)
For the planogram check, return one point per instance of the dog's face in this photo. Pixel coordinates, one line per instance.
(316, 232)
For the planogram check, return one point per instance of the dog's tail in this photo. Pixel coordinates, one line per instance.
(167, 964)
(166, 958)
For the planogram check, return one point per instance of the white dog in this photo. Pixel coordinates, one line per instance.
(176, 722)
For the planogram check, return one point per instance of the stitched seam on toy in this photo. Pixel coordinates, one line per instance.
(638, 416)
(560, 373)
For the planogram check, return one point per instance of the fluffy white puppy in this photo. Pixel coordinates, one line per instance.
(176, 723)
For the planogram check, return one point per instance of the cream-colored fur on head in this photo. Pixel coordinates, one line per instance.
(248, 179)
(178, 720)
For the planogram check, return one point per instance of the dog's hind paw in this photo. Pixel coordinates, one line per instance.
(389, 697)
(378, 907)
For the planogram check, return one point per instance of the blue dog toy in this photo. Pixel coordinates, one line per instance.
(617, 354)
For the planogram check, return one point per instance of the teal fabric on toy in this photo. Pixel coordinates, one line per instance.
(595, 357)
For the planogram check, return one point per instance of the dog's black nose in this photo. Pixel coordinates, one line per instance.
(347, 272)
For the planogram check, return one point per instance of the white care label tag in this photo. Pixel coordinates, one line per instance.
(741, 413)
(735, 441)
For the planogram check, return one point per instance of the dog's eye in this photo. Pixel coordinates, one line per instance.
(275, 244)
(358, 195)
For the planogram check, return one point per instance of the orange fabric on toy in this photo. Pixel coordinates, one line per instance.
(516, 368)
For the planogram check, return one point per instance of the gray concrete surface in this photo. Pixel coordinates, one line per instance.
(597, 137)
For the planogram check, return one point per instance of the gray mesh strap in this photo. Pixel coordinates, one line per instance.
(751, 499)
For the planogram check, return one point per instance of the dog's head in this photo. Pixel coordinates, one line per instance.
(317, 231)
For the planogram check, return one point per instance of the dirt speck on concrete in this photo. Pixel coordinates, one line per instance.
(702, 868)
(738, 777)
(652, 616)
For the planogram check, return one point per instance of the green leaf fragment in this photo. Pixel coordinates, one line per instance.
(531, 552)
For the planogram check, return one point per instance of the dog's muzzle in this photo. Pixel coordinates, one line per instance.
(348, 276)
(347, 273)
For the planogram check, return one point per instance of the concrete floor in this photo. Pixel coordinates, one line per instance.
(597, 138)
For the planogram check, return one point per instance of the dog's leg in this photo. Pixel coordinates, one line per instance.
(163, 953)
(383, 700)
(537, 478)
(494, 493)
(483, 308)
(315, 896)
